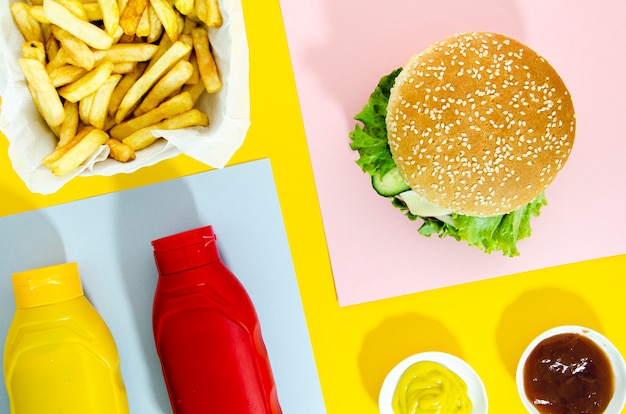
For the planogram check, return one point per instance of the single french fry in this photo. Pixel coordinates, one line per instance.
(100, 105)
(214, 16)
(120, 151)
(206, 64)
(86, 31)
(88, 84)
(36, 12)
(164, 44)
(26, 24)
(69, 126)
(84, 108)
(79, 153)
(202, 10)
(76, 49)
(61, 150)
(156, 27)
(145, 136)
(149, 78)
(66, 57)
(172, 81)
(168, 109)
(76, 7)
(195, 75)
(131, 15)
(45, 94)
(110, 15)
(180, 24)
(122, 68)
(140, 139)
(123, 86)
(33, 94)
(185, 7)
(168, 18)
(143, 29)
(66, 74)
(34, 50)
(126, 52)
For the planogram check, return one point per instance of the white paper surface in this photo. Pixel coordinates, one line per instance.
(109, 237)
(228, 110)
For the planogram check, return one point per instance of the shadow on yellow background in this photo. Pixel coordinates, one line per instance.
(536, 311)
(396, 338)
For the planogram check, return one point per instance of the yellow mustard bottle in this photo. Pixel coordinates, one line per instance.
(59, 355)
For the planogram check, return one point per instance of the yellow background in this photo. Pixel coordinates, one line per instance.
(487, 323)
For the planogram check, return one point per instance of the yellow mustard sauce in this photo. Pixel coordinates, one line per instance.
(428, 387)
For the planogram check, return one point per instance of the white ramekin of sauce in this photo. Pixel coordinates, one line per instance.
(431, 381)
(572, 369)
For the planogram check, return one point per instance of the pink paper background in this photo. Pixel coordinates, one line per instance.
(340, 49)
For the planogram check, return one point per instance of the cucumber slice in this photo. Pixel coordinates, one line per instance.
(390, 184)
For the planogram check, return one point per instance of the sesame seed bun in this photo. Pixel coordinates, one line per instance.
(479, 124)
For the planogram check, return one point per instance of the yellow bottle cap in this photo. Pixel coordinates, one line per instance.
(46, 285)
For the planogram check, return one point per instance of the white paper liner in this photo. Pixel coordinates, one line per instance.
(228, 110)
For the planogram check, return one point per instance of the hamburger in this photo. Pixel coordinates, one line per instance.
(466, 137)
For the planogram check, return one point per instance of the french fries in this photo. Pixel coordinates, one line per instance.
(27, 25)
(214, 17)
(77, 51)
(168, 109)
(87, 84)
(69, 126)
(82, 29)
(100, 106)
(120, 151)
(149, 78)
(206, 64)
(44, 94)
(109, 72)
(79, 152)
(167, 85)
(34, 50)
(60, 151)
(126, 52)
(168, 17)
(66, 74)
(142, 138)
(110, 16)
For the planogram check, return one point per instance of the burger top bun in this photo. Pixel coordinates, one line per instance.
(479, 124)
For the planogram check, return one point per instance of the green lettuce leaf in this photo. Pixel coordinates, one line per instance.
(489, 234)
(371, 139)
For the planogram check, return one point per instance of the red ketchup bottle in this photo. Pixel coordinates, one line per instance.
(206, 331)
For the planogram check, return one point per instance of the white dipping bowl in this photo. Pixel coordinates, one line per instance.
(615, 358)
(475, 387)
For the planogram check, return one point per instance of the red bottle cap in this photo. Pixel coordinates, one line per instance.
(186, 250)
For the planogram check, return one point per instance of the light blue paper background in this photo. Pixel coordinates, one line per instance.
(109, 237)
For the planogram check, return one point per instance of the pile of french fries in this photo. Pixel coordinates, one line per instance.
(108, 72)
